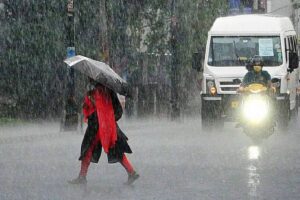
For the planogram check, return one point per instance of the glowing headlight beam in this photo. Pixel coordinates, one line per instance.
(255, 109)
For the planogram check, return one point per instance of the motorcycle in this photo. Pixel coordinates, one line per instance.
(256, 113)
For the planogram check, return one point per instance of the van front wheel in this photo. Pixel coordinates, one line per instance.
(284, 116)
(211, 113)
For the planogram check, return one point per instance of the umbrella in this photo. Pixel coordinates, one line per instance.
(100, 72)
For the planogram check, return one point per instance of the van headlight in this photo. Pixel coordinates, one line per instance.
(276, 83)
(210, 83)
(211, 88)
(255, 109)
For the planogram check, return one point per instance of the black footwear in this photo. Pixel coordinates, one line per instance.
(78, 180)
(132, 177)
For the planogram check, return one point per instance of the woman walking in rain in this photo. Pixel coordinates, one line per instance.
(101, 110)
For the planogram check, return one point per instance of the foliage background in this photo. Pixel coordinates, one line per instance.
(137, 34)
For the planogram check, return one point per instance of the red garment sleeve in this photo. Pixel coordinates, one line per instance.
(88, 108)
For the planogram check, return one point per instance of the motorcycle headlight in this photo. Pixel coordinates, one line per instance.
(255, 109)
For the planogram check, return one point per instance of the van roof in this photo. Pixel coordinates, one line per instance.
(251, 24)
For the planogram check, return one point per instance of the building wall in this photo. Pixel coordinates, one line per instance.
(284, 8)
(280, 7)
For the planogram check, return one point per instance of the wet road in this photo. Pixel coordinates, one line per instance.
(175, 160)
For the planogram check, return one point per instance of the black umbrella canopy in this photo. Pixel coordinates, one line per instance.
(100, 72)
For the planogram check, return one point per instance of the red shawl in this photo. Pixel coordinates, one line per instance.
(107, 131)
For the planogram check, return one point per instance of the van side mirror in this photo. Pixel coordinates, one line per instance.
(293, 61)
(197, 62)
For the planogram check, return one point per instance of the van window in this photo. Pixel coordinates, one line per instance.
(295, 43)
(290, 44)
(237, 50)
(286, 47)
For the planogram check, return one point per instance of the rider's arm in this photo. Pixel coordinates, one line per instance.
(269, 83)
(245, 81)
(268, 78)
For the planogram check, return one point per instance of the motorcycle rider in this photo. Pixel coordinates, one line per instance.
(256, 74)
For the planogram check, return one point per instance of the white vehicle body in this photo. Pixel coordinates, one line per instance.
(262, 32)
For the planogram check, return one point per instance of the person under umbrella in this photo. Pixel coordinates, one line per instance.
(101, 110)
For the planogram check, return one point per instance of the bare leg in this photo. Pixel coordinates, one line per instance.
(127, 165)
(132, 174)
(85, 163)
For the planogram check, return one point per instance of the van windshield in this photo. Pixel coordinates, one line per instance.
(236, 51)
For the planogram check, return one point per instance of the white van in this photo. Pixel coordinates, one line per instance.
(231, 42)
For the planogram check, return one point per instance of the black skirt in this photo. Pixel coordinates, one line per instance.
(115, 154)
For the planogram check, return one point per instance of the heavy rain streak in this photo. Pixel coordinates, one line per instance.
(149, 99)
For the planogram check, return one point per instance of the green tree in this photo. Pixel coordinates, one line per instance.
(33, 44)
(32, 60)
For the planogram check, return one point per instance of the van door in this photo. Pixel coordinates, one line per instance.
(291, 46)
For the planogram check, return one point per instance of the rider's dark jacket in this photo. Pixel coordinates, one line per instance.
(252, 77)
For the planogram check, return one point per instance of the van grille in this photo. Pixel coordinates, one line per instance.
(229, 85)
(225, 89)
